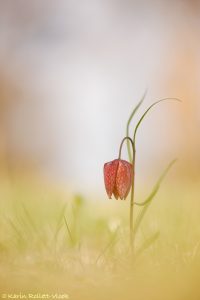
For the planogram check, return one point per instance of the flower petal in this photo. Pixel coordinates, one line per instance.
(110, 172)
(124, 178)
(115, 193)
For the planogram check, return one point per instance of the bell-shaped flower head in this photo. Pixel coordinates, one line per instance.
(118, 176)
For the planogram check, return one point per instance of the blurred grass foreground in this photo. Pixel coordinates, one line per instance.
(54, 242)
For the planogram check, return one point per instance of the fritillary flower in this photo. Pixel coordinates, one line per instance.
(118, 176)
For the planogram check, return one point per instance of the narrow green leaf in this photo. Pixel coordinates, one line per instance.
(148, 243)
(15, 228)
(149, 199)
(59, 222)
(29, 218)
(150, 107)
(129, 121)
(68, 230)
(108, 246)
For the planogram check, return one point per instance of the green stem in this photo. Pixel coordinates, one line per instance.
(122, 142)
(132, 190)
(132, 202)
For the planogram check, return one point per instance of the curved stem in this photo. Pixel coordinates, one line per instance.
(150, 107)
(122, 142)
(132, 189)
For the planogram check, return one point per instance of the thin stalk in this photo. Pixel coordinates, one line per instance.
(132, 202)
(132, 190)
(129, 121)
(121, 145)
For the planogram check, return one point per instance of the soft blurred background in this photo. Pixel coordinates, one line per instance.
(71, 72)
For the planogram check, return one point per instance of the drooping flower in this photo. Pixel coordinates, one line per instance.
(118, 176)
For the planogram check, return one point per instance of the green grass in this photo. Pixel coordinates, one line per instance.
(52, 241)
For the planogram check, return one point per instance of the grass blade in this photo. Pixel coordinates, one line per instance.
(59, 222)
(129, 121)
(109, 245)
(29, 219)
(16, 230)
(149, 199)
(148, 243)
(68, 230)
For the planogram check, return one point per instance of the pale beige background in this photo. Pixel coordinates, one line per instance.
(71, 72)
